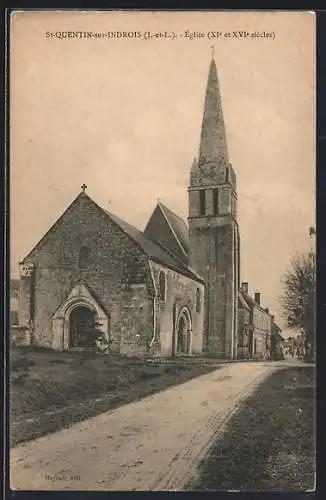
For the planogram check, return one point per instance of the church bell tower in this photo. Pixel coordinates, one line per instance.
(213, 229)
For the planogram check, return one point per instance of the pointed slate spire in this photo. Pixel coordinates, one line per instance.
(213, 144)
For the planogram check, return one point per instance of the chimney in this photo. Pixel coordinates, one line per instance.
(257, 298)
(244, 287)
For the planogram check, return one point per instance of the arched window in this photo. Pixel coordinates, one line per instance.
(162, 285)
(198, 300)
(84, 257)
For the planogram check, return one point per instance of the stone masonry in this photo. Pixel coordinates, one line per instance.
(118, 278)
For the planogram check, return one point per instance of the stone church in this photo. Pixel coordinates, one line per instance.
(170, 289)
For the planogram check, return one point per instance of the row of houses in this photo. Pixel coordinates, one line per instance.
(259, 337)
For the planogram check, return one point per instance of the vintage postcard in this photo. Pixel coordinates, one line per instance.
(162, 210)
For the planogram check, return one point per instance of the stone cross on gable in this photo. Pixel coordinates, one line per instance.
(84, 187)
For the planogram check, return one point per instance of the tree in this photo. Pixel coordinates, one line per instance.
(298, 300)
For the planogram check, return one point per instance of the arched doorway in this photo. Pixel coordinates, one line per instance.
(184, 332)
(79, 296)
(81, 325)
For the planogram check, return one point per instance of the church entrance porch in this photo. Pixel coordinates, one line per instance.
(81, 327)
(75, 320)
(184, 332)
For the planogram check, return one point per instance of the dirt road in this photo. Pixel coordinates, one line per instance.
(150, 445)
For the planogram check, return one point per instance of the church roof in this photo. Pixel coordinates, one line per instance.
(179, 227)
(152, 248)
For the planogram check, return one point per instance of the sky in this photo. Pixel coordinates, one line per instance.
(123, 116)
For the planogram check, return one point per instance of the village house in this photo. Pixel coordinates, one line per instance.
(254, 326)
(244, 327)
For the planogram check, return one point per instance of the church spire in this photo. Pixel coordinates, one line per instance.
(213, 144)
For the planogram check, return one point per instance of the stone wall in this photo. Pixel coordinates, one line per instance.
(137, 325)
(180, 292)
(212, 256)
(117, 273)
(116, 264)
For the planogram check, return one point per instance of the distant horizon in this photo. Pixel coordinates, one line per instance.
(124, 117)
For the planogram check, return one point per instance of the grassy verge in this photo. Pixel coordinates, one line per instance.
(50, 390)
(269, 444)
